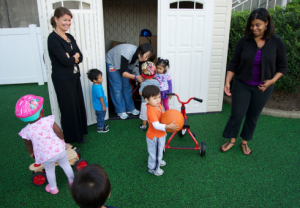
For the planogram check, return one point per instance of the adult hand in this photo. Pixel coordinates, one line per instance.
(139, 78)
(227, 89)
(266, 84)
(76, 56)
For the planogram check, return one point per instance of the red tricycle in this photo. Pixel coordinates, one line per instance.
(38, 172)
(186, 127)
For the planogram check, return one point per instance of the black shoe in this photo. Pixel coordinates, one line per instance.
(106, 126)
(84, 141)
(104, 130)
(143, 128)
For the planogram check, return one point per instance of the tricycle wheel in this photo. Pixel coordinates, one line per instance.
(181, 132)
(39, 178)
(81, 163)
(202, 150)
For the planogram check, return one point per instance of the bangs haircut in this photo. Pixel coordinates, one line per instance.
(144, 48)
(150, 91)
(91, 187)
(93, 74)
(264, 15)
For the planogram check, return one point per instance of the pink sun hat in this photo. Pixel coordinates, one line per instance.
(28, 107)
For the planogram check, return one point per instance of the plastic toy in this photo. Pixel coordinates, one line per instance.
(186, 127)
(38, 172)
(172, 115)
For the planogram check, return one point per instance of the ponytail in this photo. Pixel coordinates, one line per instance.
(164, 62)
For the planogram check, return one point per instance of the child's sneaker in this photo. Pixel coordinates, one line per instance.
(162, 163)
(134, 112)
(158, 172)
(104, 130)
(143, 128)
(123, 115)
(106, 126)
(70, 184)
(54, 191)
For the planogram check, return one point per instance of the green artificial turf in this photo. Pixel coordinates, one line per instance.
(267, 178)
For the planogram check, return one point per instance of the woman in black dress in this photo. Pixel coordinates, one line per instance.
(65, 57)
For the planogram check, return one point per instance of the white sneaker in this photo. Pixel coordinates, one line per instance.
(158, 172)
(134, 112)
(162, 163)
(123, 115)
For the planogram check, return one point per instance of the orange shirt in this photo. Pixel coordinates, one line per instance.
(153, 115)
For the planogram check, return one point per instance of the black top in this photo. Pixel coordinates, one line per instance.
(62, 66)
(124, 62)
(273, 58)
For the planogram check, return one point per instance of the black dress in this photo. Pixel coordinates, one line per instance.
(67, 86)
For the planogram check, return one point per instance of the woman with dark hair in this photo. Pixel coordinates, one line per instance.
(119, 60)
(258, 61)
(65, 56)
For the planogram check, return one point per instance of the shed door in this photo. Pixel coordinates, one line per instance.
(184, 37)
(87, 29)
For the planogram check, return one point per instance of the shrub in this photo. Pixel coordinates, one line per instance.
(287, 23)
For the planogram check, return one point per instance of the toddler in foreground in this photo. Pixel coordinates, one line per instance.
(91, 187)
(156, 134)
(43, 139)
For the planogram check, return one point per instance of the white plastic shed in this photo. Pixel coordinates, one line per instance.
(193, 35)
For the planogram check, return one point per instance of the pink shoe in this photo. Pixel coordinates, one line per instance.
(54, 191)
(70, 183)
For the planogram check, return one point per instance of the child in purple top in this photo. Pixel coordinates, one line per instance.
(256, 73)
(165, 81)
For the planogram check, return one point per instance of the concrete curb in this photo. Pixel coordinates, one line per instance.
(271, 112)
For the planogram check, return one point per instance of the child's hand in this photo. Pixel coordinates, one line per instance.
(170, 96)
(104, 108)
(31, 155)
(172, 126)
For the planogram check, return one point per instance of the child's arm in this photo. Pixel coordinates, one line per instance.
(170, 87)
(164, 127)
(102, 103)
(140, 93)
(58, 131)
(29, 147)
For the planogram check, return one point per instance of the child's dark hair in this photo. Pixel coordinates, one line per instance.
(91, 187)
(93, 74)
(144, 48)
(150, 91)
(164, 62)
(264, 15)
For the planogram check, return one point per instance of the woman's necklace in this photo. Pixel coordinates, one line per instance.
(66, 39)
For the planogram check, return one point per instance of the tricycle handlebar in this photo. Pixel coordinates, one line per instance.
(197, 99)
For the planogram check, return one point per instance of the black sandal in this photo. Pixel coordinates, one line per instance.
(245, 148)
(227, 146)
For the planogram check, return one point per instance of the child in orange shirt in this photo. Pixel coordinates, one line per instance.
(156, 134)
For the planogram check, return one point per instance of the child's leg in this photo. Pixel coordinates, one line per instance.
(49, 166)
(155, 150)
(165, 103)
(65, 165)
(100, 119)
(144, 122)
(143, 113)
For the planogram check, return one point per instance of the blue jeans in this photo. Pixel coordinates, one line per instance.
(120, 91)
(100, 119)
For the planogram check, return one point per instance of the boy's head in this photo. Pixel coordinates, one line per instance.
(95, 76)
(148, 70)
(91, 187)
(151, 94)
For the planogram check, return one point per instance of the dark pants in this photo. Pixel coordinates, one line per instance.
(247, 101)
(72, 109)
(100, 119)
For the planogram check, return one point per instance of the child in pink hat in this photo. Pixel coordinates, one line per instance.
(43, 139)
